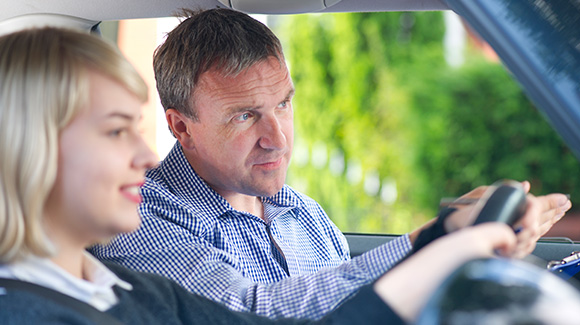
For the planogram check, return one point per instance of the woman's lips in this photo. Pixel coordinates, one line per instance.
(133, 192)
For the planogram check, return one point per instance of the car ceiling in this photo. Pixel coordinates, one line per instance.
(101, 10)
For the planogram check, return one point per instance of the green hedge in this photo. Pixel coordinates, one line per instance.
(491, 131)
(377, 108)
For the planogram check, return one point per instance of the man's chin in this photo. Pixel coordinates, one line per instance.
(268, 192)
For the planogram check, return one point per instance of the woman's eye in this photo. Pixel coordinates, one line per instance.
(116, 133)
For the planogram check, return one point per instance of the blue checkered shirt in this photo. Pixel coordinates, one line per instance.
(192, 235)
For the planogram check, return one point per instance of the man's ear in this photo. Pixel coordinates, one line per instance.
(180, 126)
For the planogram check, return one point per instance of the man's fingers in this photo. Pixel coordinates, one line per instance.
(553, 206)
(526, 243)
(556, 201)
(541, 214)
(526, 185)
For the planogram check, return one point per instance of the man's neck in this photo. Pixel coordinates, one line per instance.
(250, 204)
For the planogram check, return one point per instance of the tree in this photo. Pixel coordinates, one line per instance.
(384, 128)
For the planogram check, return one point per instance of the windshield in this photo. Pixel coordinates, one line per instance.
(539, 41)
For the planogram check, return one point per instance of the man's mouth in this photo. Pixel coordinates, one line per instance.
(270, 165)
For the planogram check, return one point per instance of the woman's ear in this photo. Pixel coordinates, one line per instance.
(179, 125)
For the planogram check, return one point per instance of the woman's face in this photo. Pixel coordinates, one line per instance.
(101, 164)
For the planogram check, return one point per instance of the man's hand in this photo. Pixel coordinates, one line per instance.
(540, 216)
(542, 213)
(464, 216)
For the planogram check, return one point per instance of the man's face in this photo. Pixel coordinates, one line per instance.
(243, 140)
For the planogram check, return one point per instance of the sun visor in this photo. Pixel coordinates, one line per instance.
(43, 20)
(279, 6)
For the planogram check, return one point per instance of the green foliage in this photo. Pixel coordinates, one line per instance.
(377, 108)
(492, 132)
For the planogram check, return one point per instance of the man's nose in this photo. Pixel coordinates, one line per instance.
(272, 135)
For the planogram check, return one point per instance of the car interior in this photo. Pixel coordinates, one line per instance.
(522, 37)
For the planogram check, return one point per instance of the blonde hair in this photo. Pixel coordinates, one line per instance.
(43, 84)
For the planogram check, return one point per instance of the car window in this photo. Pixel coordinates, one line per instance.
(539, 41)
(398, 110)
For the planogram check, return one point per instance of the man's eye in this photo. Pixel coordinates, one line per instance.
(283, 104)
(243, 117)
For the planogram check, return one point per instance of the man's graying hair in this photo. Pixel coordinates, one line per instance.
(223, 39)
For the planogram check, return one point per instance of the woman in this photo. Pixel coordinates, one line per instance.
(72, 163)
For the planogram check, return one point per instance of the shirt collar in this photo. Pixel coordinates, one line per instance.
(97, 291)
(100, 275)
(190, 187)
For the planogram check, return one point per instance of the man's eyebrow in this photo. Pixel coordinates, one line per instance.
(291, 93)
(237, 109)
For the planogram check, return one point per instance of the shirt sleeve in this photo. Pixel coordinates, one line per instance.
(164, 247)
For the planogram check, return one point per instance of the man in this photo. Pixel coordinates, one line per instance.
(217, 217)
